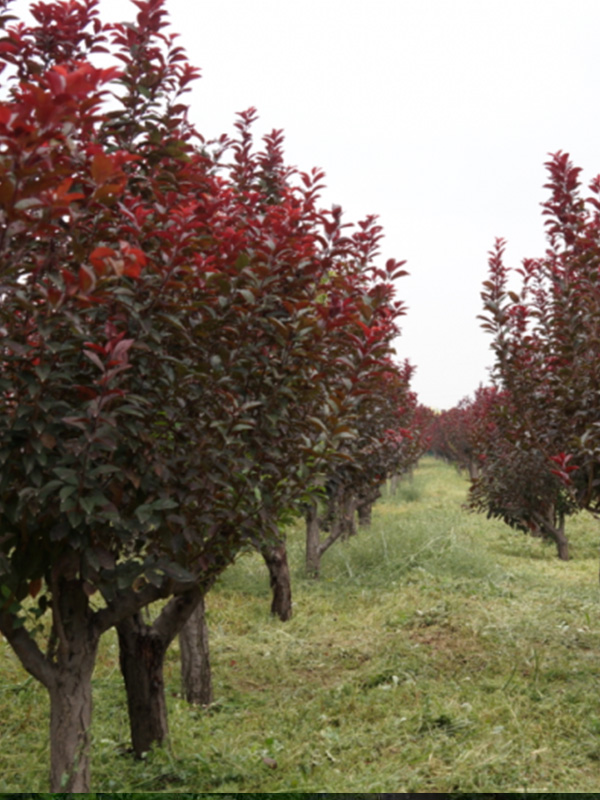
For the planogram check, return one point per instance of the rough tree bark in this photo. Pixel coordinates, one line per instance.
(66, 672)
(313, 540)
(196, 678)
(275, 557)
(142, 652)
(70, 690)
(141, 657)
(66, 668)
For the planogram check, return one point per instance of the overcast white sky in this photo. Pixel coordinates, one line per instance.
(435, 114)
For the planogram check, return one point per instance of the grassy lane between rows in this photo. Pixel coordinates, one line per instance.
(440, 651)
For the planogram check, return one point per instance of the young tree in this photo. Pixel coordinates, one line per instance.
(386, 442)
(547, 366)
(459, 434)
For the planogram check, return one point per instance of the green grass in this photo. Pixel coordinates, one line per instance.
(439, 652)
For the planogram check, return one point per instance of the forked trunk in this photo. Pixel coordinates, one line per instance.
(562, 543)
(555, 529)
(195, 658)
(279, 573)
(141, 656)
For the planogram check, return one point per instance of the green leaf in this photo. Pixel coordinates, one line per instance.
(164, 503)
(67, 475)
(65, 493)
(144, 512)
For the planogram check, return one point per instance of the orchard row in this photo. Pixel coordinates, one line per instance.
(531, 442)
(193, 351)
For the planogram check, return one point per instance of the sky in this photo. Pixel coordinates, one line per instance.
(437, 115)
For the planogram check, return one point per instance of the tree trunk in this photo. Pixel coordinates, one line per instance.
(474, 470)
(364, 506)
(554, 529)
(365, 514)
(347, 510)
(561, 541)
(279, 573)
(141, 656)
(195, 658)
(70, 690)
(313, 542)
(70, 719)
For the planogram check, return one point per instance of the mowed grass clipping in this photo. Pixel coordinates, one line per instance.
(439, 651)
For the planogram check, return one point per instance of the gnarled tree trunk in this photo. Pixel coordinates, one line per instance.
(275, 557)
(141, 657)
(142, 653)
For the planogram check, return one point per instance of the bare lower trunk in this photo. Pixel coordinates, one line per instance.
(70, 719)
(347, 511)
(339, 521)
(141, 656)
(474, 470)
(313, 544)
(279, 573)
(364, 506)
(561, 541)
(554, 529)
(365, 515)
(195, 658)
(70, 691)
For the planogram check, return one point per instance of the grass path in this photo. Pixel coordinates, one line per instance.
(439, 652)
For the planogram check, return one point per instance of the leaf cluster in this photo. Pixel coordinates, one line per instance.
(541, 454)
(187, 340)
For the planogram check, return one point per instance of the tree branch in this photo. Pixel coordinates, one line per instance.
(27, 650)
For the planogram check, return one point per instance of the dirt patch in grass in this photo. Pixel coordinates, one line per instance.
(451, 646)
